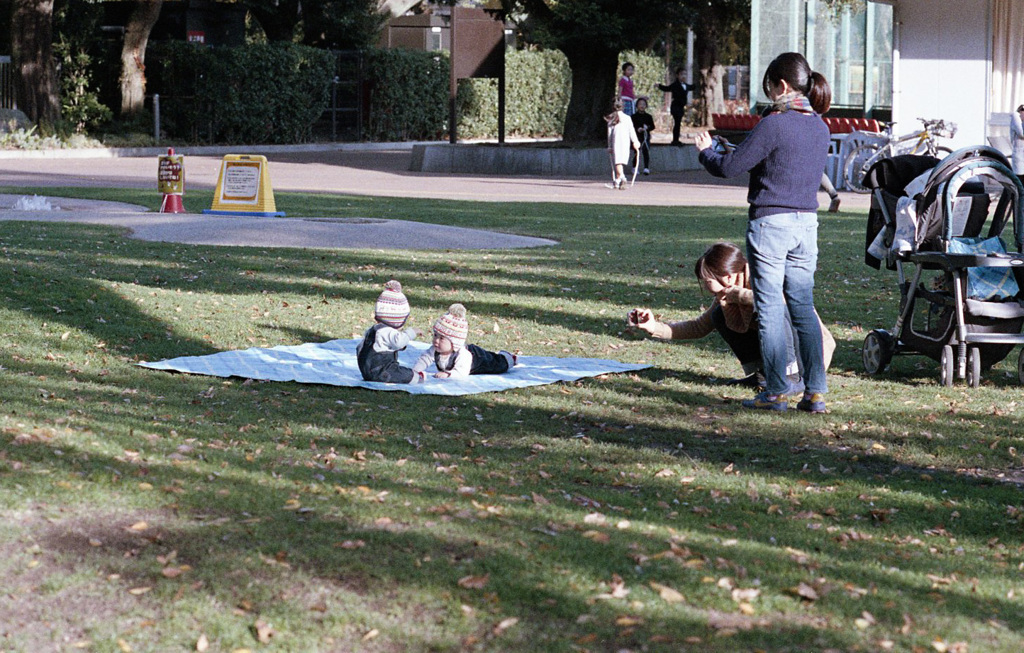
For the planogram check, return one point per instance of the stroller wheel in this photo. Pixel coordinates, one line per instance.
(974, 367)
(947, 361)
(878, 350)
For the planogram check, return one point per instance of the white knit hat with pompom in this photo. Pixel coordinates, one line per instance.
(392, 307)
(453, 325)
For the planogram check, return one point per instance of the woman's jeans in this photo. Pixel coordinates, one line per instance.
(782, 250)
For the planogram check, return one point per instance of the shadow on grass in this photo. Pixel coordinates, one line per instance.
(851, 545)
(803, 498)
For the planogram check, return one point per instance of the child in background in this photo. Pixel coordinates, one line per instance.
(620, 135)
(680, 91)
(377, 354)
(643, 123)
(453, 357)
(626, 92)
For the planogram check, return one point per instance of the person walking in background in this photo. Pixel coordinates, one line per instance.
(626, 92)
(680, 91)
(1017, 142)
(643, 123)
(785, 155)
(833, 194)
(620, 136)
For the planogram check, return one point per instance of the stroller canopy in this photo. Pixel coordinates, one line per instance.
(973, 172)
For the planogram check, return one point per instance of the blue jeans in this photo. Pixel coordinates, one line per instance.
(783, 253)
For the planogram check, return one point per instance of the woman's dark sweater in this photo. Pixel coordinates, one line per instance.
(785, 154)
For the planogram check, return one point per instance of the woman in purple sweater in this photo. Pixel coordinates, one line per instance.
(785, 155)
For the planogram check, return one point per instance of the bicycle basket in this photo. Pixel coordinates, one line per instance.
(943, 129)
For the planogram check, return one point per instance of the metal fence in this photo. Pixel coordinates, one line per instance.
(7, 84)
(346, 112)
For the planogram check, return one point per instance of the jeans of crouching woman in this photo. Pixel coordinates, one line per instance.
(782, 250)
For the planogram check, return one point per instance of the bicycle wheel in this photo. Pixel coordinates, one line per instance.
(854, 168)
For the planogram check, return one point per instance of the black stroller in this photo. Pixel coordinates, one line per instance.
(963, 304)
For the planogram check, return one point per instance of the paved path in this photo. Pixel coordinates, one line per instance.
(373, 170)
(331, 233)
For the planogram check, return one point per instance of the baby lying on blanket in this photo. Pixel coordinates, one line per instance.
(453, 357)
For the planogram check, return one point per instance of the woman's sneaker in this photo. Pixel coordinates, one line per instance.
(765, 401)
(812, 402)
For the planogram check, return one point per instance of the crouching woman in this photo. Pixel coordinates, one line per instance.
(722, 271)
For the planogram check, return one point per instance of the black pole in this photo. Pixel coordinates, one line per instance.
(453, 82)
(501, 94)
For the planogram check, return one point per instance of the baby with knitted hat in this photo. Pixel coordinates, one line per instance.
(377, 354)
(453, 358)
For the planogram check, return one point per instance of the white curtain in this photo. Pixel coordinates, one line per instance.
(1007, 55)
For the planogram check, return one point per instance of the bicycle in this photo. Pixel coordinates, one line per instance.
(922, 141)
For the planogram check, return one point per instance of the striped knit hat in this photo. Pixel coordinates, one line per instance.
(392, 307)
(453, 325)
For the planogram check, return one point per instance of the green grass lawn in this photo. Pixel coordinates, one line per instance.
(146, 511)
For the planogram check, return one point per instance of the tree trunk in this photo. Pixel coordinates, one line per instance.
(711, 72)
(133, 55)
(36, 89)
(713, 89)
(593, 89)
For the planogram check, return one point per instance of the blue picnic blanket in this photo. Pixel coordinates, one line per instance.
(334, 363)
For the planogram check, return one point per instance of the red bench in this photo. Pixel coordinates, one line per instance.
(743, 122)
(848, 125)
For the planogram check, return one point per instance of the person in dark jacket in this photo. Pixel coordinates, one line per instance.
(680, 91)
(643, 123)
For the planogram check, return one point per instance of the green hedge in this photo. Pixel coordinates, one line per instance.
(274, 93)
(537, 86)
(408, 95)
(268, 93)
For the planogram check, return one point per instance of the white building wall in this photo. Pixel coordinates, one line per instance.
(942, 66)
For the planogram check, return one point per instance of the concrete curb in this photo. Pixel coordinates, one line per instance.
(540, 161)
(220, 150)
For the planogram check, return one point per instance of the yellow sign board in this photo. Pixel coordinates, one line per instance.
(171, 174)
(243, 187)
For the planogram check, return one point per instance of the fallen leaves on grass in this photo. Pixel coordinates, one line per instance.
(597, 536)
(617, 587)
(504, 625)
(804, 591)
(745, 595)
(174, 572)
(865, 620)
(474, 582)
(264, 631)
(666, 593)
